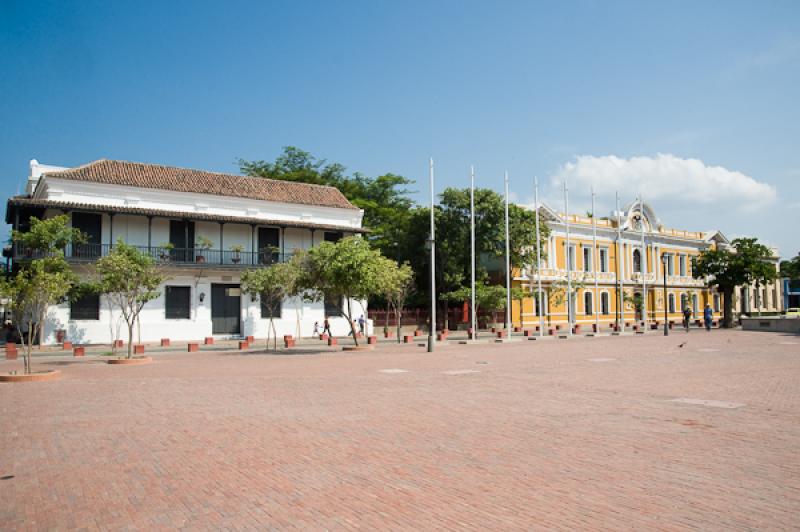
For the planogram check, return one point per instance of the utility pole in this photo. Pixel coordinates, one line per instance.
(432, 240)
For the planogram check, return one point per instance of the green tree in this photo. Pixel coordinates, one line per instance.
(488, 297)
(272, 284)
(46, 237)
(129, 279)
(748, 261)
(396, 286)
(387, 208)
(37, 286)
(341, 272)
(791, 268)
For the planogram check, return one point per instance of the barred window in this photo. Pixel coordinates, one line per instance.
(178, 302)
(85, 308)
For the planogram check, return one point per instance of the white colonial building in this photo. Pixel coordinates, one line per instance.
(205, 228)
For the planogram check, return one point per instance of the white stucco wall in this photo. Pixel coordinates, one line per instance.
(155, 326)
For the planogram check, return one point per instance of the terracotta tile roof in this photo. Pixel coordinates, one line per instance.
(199, 181)
(20, 201)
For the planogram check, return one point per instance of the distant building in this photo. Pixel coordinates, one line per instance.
(622, 265)
(204, 227)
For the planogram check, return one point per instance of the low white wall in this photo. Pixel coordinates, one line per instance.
(154, 325)
(786, 325)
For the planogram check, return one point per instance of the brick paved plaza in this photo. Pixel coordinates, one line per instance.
(612, 433)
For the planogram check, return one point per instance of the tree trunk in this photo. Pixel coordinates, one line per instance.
(350, 321)
(130, 338)
(398, 315)
(727, 295)
(274, 335)
(28, 348)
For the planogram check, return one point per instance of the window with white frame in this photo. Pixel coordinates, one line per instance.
(637, 261)
(571, 258)
(670, 263)
(682, 265)
(587, 303)
(671, 300)
(587, 259)
(604, 307)
(694, 303)
(603, 260)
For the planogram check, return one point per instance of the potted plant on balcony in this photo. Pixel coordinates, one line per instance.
(268, 255)
(203, 244)
(237, 253)
(165, 250)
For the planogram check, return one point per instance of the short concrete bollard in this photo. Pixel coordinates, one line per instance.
(11, 351)
(165, 342)
(138, 349)
(67, 345)
(209, 340)
(332, 341)
(78, 351)
(194, 347)
(372, 340)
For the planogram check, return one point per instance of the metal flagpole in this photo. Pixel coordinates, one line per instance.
(594, 267)
(508, 268)
(620, 276)
(474, 321)
(569, 264)
(540, 311)
(644, 263)
(432, 327)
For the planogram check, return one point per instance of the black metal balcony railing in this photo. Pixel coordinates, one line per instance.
(178, 256)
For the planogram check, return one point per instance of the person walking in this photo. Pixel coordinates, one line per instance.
(361, 323)
(708, 316)
(687, 316)
(326, 327)
(316, 328)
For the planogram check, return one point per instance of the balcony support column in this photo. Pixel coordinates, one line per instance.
(221, 243)
(283, 244)
(150, 235)
(313, 231)
(253, 251)
(110, 230)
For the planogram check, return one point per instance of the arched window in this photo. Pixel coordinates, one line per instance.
(694, 303)
(637, 261)
(684, 302)
(587, 303)
(604, 303)
(672, 303)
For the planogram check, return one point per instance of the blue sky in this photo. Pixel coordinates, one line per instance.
(693, 104)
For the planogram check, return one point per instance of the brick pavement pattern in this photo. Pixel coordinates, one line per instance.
(552, 434)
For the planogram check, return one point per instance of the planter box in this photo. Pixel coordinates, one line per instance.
(288, 342)
(332, 341)
(37, 376)
(372, 340)
(78, 351)
(209, 340)
(417, 333)
(323, 337)
(66, 346)
(251, 339)
(551, 331)
(501, 333)
(194, 347)
(440, 337)
(407, 339)
(527, 332)
(119, 343)
(517, 329)
(388, 334)
(165, 342)
(243, 345)
(138, 349)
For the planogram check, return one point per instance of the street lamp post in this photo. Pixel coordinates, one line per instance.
(664, 259)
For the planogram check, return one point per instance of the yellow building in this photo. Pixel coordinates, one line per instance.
(633, 253)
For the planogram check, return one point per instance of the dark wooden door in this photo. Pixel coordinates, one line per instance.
(91, 225)
(225, 309)
(181, 235)
(268, 245)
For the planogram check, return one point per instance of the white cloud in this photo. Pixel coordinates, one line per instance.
(666, 178)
